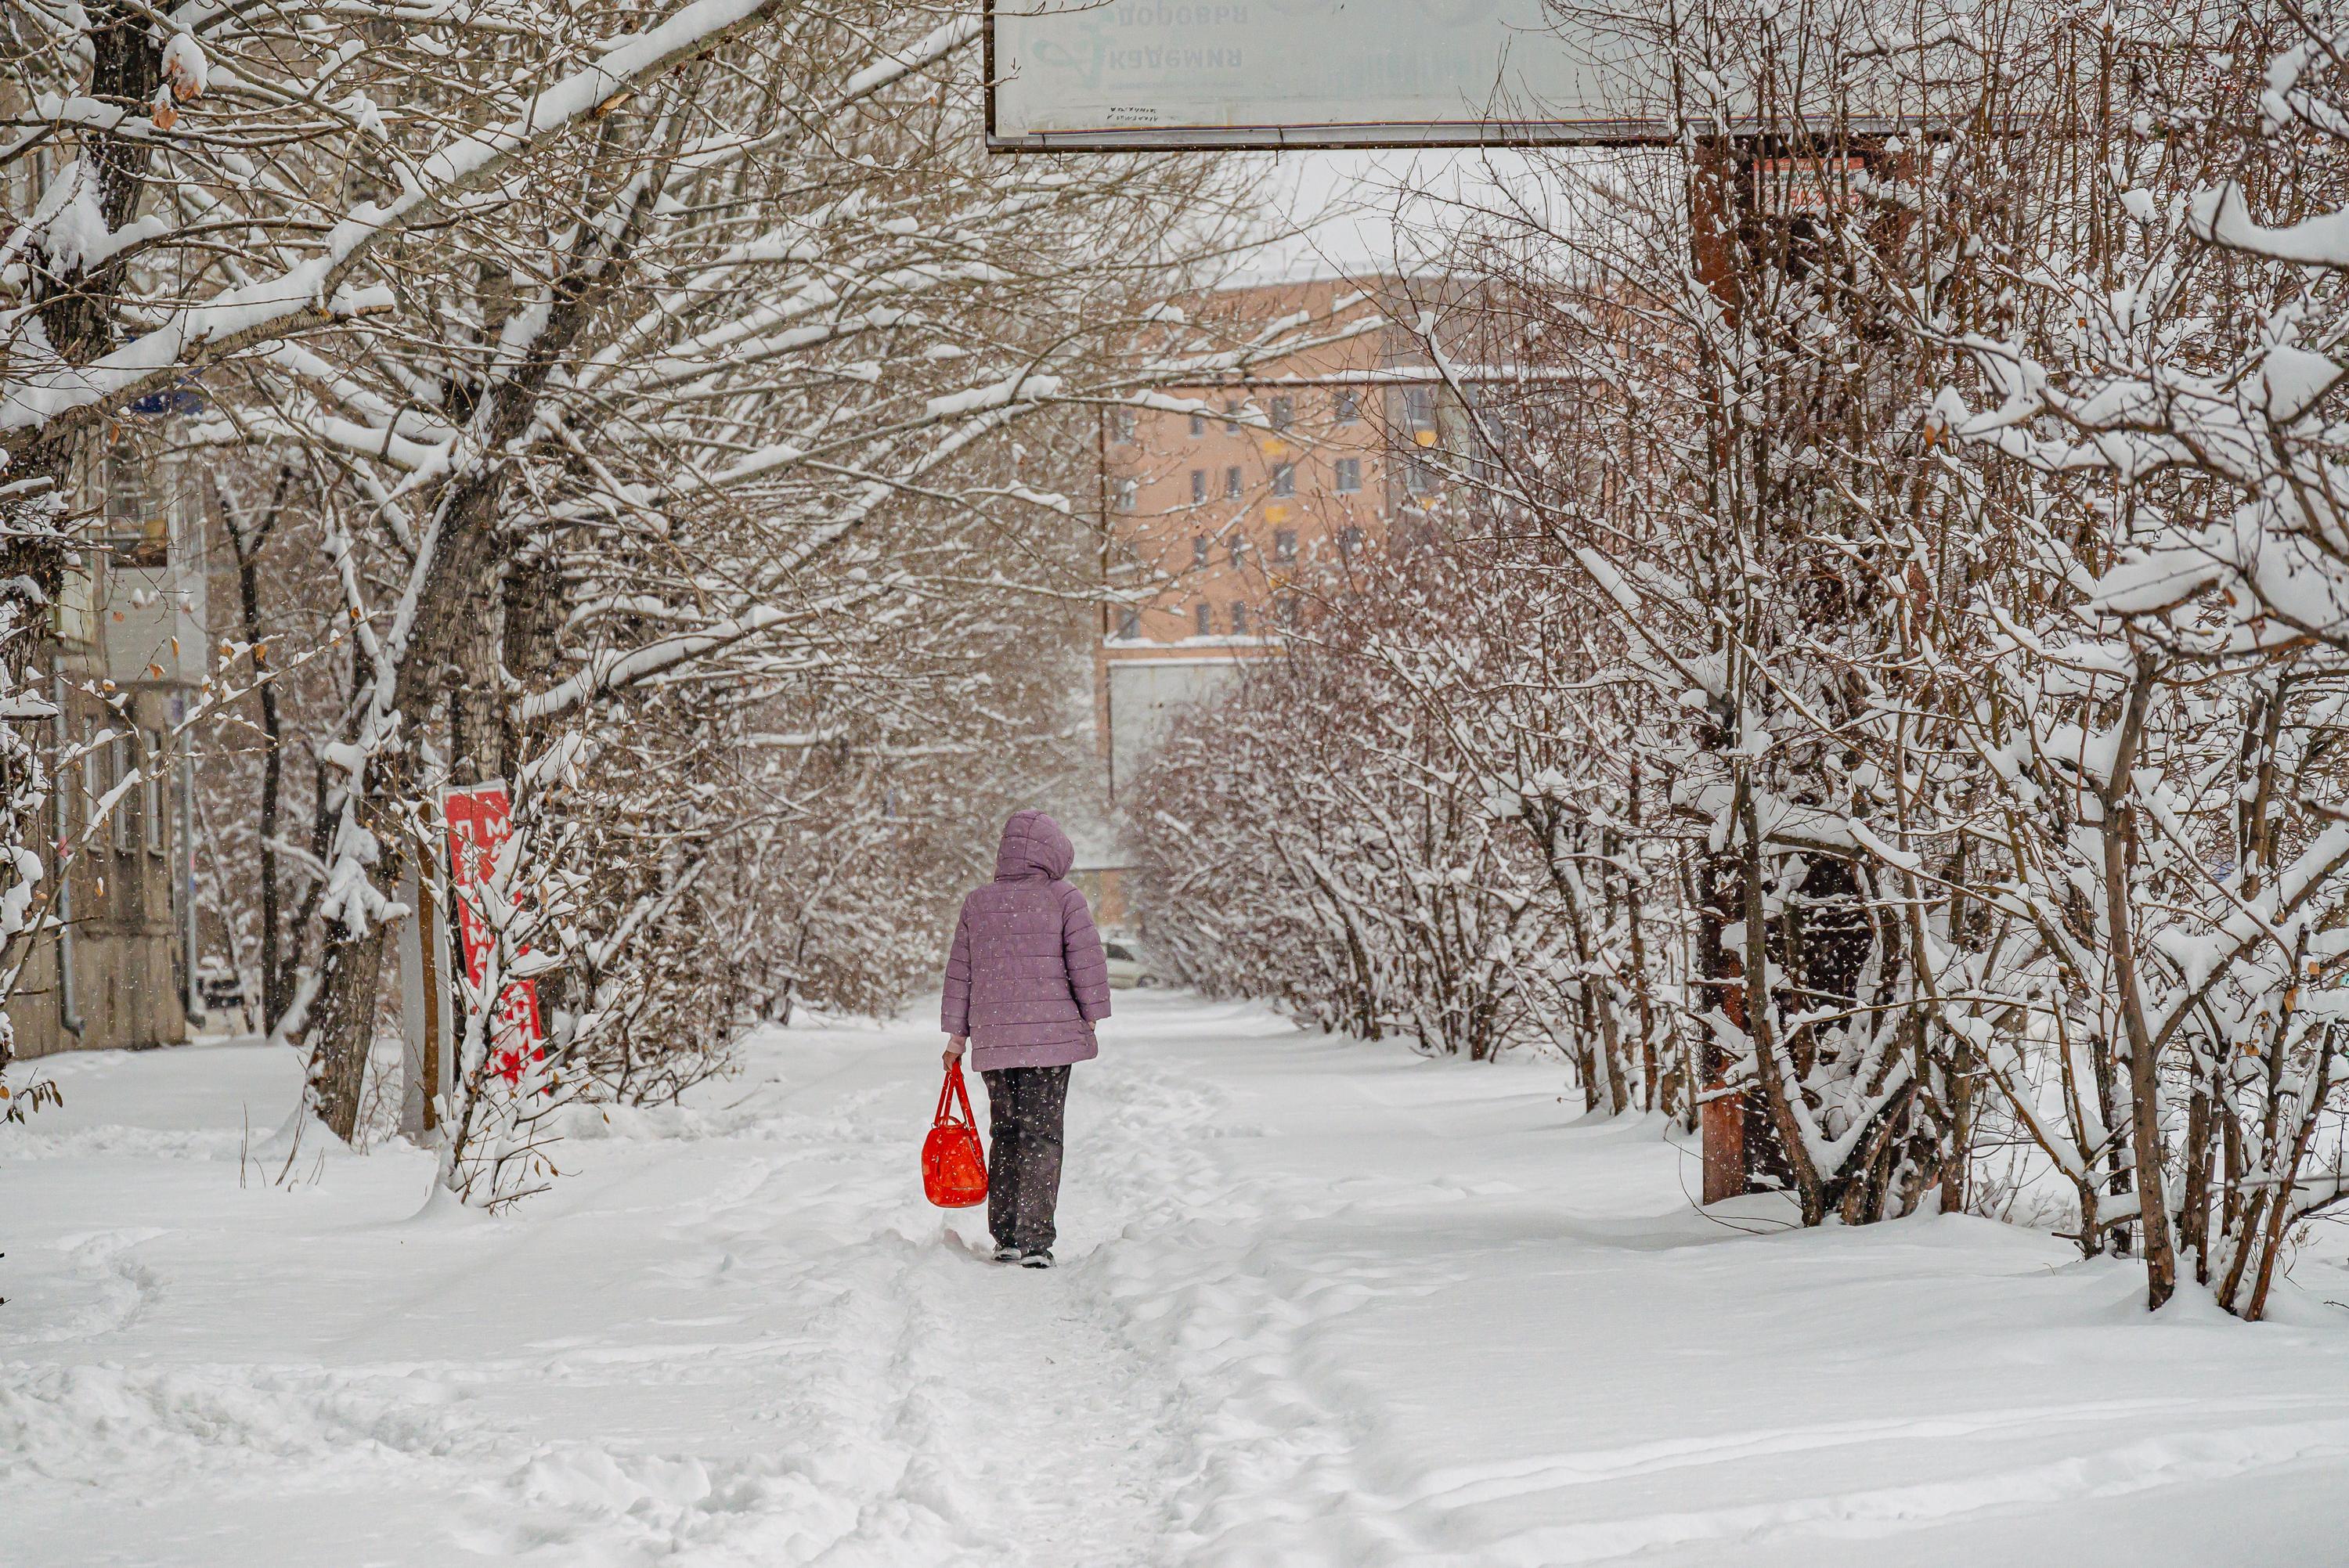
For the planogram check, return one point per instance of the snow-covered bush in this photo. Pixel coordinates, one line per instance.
(1328, 834)
(1949, 554)
(2158, 676)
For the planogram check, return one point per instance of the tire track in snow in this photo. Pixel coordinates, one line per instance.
(2116, 1471)
(1465, 1486)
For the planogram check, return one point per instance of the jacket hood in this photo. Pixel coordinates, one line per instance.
(1033, 846)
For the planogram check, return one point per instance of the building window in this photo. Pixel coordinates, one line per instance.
(1284, 479)
(1231, 416)
(1237, 551)
(138, 521)
(1206, 620)
(1239, 619)
(1346, 409)
(1419, 407)
(126, 760)
(93, 787)
(1129, 623)
(1129, 493)
(1198, 551)
(1232, 484)
(1198, 424)
(1121, 424)
(1416, 477)
(1285, 608)
(1350, 541)
(150, 794)
(1284, 413)
(1198, 486)
(1350, 475)
(1284, 544)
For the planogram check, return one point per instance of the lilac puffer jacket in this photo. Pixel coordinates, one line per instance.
(1027, 976)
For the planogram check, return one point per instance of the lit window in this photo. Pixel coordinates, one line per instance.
(1198, 486)
(1350, 475)
(1284, 479)
(1232, 484)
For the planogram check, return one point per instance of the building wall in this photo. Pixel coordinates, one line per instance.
(128, 625)
(118, 903)
(1214, 525)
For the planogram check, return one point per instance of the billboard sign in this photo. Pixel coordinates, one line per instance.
(1110, 75)
(1118, 74)
(481, 820)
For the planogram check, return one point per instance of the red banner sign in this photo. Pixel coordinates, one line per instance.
(481, 820)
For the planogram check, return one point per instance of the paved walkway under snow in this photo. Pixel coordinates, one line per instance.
(1323, 1304)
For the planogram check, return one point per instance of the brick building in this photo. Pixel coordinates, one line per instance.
(1212, 517)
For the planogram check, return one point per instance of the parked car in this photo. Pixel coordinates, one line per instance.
(1125, 970)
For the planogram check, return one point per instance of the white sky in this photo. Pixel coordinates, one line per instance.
(1365, 211)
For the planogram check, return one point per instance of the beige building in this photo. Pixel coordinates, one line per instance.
(1217, 519)
(126, 654)
(1220, 522)
(110, 968)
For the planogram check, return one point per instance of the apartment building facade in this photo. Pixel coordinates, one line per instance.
(1219, 522)
(111, 966)
(125, 657)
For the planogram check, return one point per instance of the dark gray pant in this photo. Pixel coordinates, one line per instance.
(1024, 1107)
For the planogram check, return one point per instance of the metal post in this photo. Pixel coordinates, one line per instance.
(68, 1015)
(188, 872)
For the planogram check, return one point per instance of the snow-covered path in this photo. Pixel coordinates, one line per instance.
(1322, 1304)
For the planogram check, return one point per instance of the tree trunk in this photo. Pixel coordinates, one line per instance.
(2119, 830)
(1776, 1092)
(276, 970)
(451, 666)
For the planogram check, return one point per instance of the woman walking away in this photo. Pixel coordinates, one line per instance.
(1025, 985)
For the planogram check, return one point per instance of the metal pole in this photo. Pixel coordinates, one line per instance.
(188, 874)
(68, 1016)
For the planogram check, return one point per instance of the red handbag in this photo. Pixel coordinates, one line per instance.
(954, 1162)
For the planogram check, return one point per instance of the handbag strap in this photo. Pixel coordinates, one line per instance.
(951, 1091)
